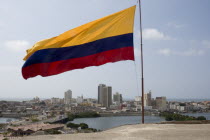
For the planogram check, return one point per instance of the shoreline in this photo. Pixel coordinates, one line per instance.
(125, 114)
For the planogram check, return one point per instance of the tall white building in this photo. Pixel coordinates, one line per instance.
(67, 97)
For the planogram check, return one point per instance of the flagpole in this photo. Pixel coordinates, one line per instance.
(142, 66)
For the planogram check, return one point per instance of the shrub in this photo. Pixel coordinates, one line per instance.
(72, 125)
(87, 115)
(52, 131)
(71, 117)
(34, 120)
(92, 129)
(201, 118)
(83, 125)
(168, 118)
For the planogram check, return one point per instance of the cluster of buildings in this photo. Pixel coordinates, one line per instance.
(107, 102)
(55, 110)
(105, 96)
(191, 106)
(150, 103)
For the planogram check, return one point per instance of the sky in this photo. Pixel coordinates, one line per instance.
(176, 47)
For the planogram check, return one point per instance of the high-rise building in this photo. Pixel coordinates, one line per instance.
(109, 96)
(104, 95)
(117, 98)
(100, 92)
(148, 99)
(67, 97)
(161, 103)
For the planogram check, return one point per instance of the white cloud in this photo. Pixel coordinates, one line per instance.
(190, 52)
(175, 25)
(154, 34)
(206, 43)
(17, 45)
(165, 52)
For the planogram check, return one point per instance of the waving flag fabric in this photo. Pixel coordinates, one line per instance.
(109, 39)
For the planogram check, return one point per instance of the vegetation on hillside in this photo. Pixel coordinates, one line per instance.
(82, 126)
(169, 116)
(71, 117)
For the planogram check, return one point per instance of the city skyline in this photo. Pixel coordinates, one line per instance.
(68, 96)
(75, 96)
(176, 48)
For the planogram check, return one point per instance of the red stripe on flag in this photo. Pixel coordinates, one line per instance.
(53, 68)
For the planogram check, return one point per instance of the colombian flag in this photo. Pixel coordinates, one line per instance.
(109, 39)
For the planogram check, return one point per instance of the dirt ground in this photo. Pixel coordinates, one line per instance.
(138, 132)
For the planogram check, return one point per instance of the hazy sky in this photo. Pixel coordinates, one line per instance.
(176, 38)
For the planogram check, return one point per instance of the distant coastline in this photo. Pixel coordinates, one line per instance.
(18, 99)
(124, 114)
(187, 100)
(169, 99)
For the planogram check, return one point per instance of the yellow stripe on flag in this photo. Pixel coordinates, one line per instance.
(116, 24)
